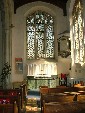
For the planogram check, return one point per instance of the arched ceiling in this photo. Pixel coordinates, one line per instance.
(59, 3)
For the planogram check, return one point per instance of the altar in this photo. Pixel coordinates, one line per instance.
(36, 82)
(41, 73)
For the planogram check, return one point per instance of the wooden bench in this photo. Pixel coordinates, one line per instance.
(47, 98)
(24, 91)
(23, 86)
(9, 96)
(16, 94)
(8, 108)
(60, 89)
(52, 95)
(65, 107)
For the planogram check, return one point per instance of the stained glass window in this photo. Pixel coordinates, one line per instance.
(78, 25)
(40, 35)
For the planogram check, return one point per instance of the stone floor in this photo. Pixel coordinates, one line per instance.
(32, 105)
(33, 110)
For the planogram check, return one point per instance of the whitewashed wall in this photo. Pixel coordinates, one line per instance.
(19, 33)
(65, 63)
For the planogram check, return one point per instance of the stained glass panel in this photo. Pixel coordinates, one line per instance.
(78, 32)
(40, 35)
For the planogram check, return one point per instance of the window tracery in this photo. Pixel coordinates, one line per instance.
(40, 35)
(78, 36)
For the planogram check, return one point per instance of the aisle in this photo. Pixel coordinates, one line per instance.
(33, 101)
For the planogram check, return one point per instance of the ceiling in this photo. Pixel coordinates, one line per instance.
(59, 3)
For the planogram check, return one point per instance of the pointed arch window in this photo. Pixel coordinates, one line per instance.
(78, 37)
(40, 35)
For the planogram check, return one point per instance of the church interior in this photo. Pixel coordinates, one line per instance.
(42, 56)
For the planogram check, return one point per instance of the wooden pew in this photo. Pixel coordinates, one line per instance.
(47, 98)
(63, 89)
(45, 93)
(43, 90)
(9, 96)
(18, 94)
(66, 107)
(57, 98)
(60, 89)
(16, 84)
(23, 86)
(8, 108)
(51, 95)
(23, 95)
(81, 98)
